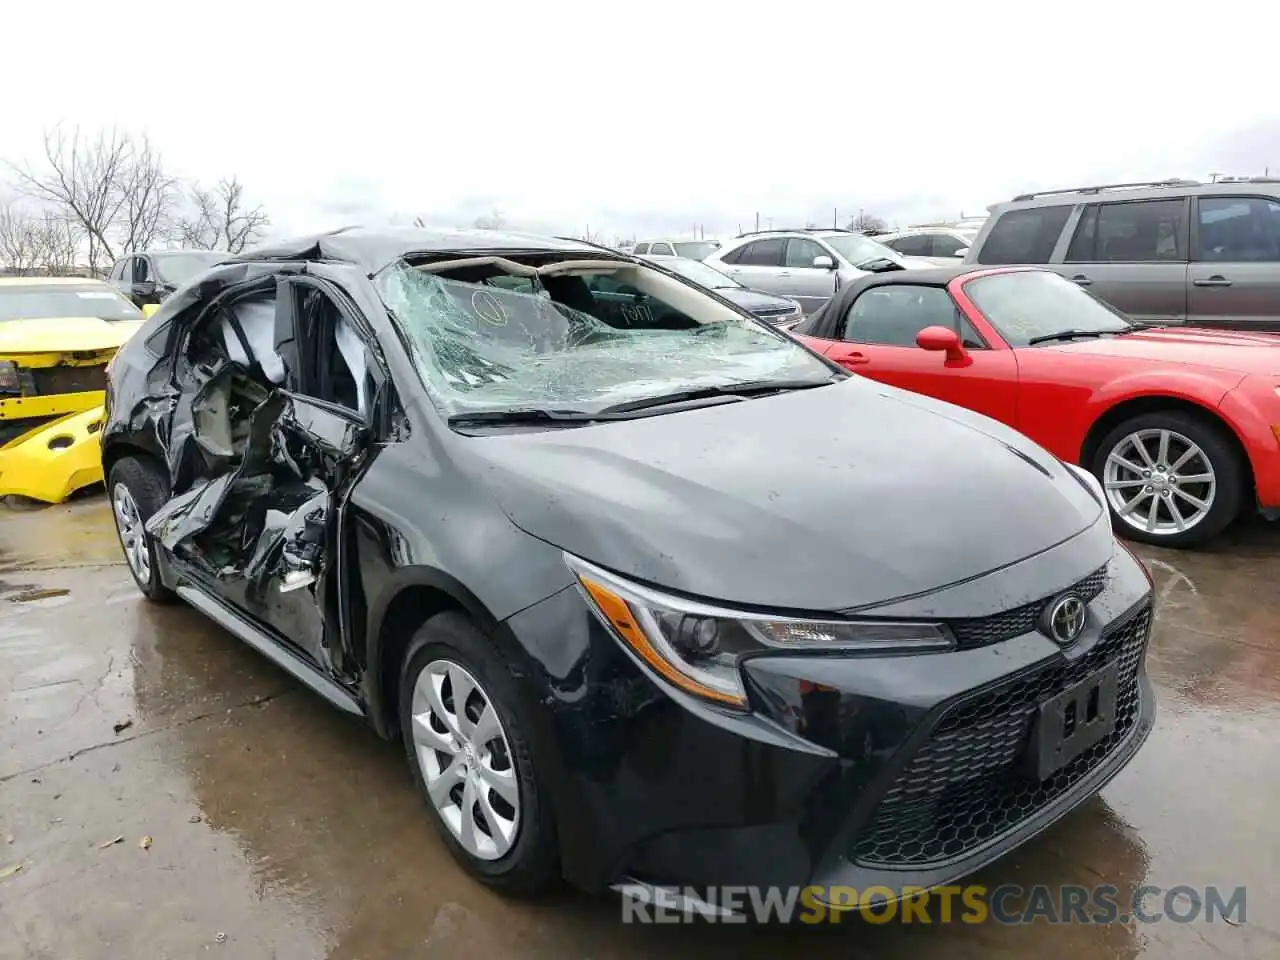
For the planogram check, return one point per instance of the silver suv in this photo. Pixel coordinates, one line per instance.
(689, 249)
(1170, 251)
(807, 266)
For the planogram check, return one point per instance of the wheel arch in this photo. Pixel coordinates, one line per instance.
(410, 597)
(1131, 407)
(117, 450)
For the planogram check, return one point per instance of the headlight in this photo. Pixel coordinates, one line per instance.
(9, 376)
(697, 647)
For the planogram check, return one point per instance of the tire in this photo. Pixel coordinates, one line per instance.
(1218, 457)
(147, 489)
(447, 642)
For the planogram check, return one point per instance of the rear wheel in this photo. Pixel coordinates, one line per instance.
(1171, 478)
(138, 488)
(466, 732)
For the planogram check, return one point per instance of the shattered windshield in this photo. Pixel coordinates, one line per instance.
(480, 346)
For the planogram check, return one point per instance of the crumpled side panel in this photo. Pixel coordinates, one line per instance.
(189, 514)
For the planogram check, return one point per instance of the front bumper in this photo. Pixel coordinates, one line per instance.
(53, 460)
(899, 772)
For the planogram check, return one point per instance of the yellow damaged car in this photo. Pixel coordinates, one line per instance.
(57, 335)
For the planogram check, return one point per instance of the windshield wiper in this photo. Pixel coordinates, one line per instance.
(1069, 335)
(528, 416)
(742, 390)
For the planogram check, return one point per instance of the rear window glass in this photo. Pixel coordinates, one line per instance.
(1131, 232)
(41, 302)
(1024, 236)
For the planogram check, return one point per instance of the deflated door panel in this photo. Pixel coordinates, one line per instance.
(255, 523)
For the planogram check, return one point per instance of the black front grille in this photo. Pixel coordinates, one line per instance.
(967, 784)
(983, 631)
(52, 380)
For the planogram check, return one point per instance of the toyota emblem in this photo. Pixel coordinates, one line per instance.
(1065, 620)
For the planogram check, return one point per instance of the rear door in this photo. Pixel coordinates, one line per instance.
(758, 263)
(800, 280)
(1235, 269)
(877, 339)
(1133, 254)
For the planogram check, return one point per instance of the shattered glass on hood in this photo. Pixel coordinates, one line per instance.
(481, 347)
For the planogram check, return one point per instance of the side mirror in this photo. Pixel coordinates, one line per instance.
(824, 263)
(942, 339)
(144, 288)
(961, 252)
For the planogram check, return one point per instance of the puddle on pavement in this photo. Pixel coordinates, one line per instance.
(310, 840)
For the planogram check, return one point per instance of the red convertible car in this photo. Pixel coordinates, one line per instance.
(1180, 425)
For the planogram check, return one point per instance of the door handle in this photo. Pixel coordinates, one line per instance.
(784, 273)
(1081, 279)
(1215, 281)
(853, 359)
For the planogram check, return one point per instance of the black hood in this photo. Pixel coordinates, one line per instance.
(819, 499)
(753, 300)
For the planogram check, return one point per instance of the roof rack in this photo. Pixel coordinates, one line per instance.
(753, 233)
(1172, 182)
(1248, 180)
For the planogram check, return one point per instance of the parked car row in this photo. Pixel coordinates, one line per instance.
(807, 265)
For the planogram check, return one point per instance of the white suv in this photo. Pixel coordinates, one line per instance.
(941, 244)
(807, 266)
(689, 249)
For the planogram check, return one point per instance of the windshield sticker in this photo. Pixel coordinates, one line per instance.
(488, 309)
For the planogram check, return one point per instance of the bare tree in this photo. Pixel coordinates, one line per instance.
(19, 249)
(220, 220)
(37, 241)
(867, 222)
(149, 200)
(111, 187)
(58, 244)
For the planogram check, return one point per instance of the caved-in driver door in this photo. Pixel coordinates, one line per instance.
(290, 577)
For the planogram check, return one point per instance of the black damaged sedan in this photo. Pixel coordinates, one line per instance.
(660, 598)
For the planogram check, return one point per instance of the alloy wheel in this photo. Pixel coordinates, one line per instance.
(465, 759)
(1159, 481)
(133, 535)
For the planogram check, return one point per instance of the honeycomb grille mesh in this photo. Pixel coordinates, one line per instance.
(966, 785)
(984, 631)
(54, 380)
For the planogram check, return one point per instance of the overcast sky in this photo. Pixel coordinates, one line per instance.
(648, 116)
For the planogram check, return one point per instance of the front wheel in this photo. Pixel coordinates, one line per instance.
(466, 733)
(138, 488)
(1171, 478)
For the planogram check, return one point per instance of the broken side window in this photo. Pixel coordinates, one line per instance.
(337, 362)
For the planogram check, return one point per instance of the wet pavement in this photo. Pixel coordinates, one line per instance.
(281, 828)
